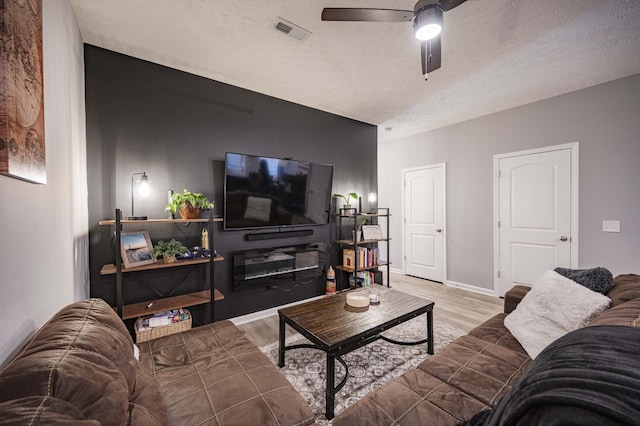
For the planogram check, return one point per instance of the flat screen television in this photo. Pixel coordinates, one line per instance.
(262, 192)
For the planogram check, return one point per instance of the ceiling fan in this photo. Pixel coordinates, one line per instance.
(427, 24)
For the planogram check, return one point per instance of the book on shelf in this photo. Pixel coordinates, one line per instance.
(349, 258)
(365, 278)
(366, 257)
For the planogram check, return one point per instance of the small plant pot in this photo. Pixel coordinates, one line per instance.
(187, 211)
(169, 259)
(346, 206)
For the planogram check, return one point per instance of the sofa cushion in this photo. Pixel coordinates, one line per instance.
(476, 367)
(415, 398)
(589, 376)
(218, 370)
(84, 356)
(513, 296)
(554, 306)
(627, 314)
(597, 279)
(494, 331)
(471, 372)
(42, 410)
(146, 404)
(627, 287)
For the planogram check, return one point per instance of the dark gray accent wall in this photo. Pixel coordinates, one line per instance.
(177, 127)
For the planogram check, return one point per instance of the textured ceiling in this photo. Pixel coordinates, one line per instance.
(496, 54)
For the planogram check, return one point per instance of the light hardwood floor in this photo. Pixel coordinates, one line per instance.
(460, 308)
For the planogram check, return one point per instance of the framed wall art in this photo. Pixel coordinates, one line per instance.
(22, 148)
(136, 249)
(372, 232)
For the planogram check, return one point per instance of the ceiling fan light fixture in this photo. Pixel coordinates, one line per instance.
(428, 22)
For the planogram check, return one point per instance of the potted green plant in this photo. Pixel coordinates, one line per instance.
(189, 204)
(169, 249)
(346, 198)
(358, 233)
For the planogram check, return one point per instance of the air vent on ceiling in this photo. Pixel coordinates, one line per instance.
(290, 29)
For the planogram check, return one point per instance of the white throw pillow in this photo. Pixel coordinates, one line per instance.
(553, 307)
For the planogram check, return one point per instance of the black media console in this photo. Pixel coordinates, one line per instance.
(276, 266)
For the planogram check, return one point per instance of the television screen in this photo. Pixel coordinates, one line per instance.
(270, 192)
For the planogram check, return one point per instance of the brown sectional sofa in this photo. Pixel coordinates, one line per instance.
(80, 368)
(473, 372)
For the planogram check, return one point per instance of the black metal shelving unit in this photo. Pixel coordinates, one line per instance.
(207, 295)
(351, 214)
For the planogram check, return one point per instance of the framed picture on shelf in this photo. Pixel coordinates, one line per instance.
(371, 232)
(136, 249)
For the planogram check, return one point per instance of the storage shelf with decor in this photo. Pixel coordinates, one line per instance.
(360, 253)
(145, 331)
(207, 295)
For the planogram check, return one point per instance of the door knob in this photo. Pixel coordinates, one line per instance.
(438, 230)
(563, 238)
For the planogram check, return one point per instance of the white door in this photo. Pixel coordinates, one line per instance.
(534, 215)
(424, 222)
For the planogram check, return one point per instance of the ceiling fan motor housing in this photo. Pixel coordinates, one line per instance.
(427, 13)
(422, 3)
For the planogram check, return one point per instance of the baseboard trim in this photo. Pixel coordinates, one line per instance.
(472, 288)
(254, 316)
(396, 271)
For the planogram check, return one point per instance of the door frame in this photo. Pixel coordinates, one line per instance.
(403, 173)
(574, 148)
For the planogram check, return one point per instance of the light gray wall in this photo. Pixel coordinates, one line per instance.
(605, 119)
(44, 228)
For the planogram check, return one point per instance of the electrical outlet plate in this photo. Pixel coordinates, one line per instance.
(610, 226)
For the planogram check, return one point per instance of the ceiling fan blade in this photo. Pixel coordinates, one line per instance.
(368, 15)
(446, 5)
(430, 54)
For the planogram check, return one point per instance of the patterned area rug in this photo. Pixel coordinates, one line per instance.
(370, 367)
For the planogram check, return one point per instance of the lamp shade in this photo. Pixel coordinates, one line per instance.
(428, 22)
(143, 189)
(144, 186)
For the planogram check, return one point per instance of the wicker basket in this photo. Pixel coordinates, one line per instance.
(143, 334)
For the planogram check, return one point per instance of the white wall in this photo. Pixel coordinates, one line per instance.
(44, 228)
(605, 119)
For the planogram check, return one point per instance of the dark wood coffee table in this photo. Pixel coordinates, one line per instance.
(336, 328)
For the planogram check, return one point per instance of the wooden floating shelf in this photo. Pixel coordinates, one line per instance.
(363, 215)
(111, 268)
(151, 307)
(351, 242)
(368, 268)
(152, 221)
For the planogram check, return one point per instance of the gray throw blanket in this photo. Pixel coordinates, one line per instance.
(590, 376)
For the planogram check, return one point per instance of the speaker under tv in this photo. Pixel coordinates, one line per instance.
(274, 235)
